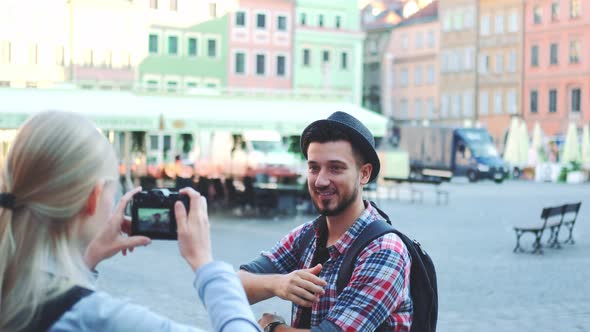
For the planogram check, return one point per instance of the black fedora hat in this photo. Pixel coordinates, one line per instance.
(360, 136)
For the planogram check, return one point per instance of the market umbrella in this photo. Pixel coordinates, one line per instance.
(586, 146)
(571, 147)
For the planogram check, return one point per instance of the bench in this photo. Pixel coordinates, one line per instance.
(549, 215)
(552, 218)
(417, 194)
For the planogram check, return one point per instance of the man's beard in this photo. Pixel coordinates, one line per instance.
(343, 205)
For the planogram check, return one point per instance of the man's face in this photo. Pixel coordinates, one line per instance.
(334, 177)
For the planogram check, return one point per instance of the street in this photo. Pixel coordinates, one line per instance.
(483, 285)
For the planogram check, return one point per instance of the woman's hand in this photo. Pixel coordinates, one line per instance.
(193, 230)
(111, 238)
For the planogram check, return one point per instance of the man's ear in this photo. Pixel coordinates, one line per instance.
(92, 201)
(366, 171)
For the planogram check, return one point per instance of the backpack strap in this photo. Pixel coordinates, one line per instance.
(51, 311)
(304, 240)
(371, 232)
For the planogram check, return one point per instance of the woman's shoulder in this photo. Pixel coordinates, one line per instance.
(101, 311)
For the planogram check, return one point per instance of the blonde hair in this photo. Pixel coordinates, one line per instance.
(52, 167)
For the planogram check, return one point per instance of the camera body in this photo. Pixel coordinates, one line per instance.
(152, 213)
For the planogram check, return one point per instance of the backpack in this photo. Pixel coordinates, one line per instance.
(423, 286)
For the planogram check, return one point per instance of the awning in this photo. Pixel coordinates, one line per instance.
(128, 111)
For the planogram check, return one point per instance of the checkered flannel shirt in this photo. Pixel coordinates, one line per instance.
(378, 291)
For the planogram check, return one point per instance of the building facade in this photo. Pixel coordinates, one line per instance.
(328, 49)
(410, 87)
(557, 64)
(261, 44)
(458, 74)
(499, 65)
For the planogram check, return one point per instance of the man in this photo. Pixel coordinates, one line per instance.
(341, 159)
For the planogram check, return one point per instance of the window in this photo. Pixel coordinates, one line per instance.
(344, 61)
(456, 105)
(152, 85)
(575, 8)
(555, 10)
(192, 46)
(576, 100)
(552, 101)
(511, 101)
(174, 5)
(303, 19)
(430, 74)
(306, 57)
(403, 108)
(404, 41)
(418, 76)
(191, 85)
(513, 22)
(212, 10)
(281, 23)
(469, 19)
(172, 86)
(447, 22)
(260, 63)
(212, 48)
(261, 21)
(430, 38)
(240, 19)
(535, 56)
(469, 58)
(467, 103)
(153, 44)
(403, 79)
(484, 103)
(240, 63)
(418, 108)
(553, 54)
(458, 20)
(338, 22)
(534, 101)
(484, 63)
(446, 105)
(499, 63)
(172, 45)
(484, 28)
(281, 65)
(537, 15)
(154, 4)
(499, 24)
(430, 108)
(321, 20)
(419, 39)
(326, 56)
(498, 102)
(575, 48)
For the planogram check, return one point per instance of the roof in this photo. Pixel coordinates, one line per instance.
(128, 111)
(424, 15)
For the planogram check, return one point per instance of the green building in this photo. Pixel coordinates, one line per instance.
(328, 49)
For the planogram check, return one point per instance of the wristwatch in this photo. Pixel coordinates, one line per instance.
(272, 325)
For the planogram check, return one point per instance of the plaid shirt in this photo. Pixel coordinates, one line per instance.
(378, 291)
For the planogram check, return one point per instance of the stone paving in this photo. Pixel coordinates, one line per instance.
(483, 286)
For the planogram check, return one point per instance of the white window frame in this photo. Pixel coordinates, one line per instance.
(178, 36)
(418, 114)
(348, 60)
(287, 17)
(403, 77)
(456, 104)
(513, 24)
(499, 63)
(267, 66)
(498, 102)
(266, 20)
(484, 103)
(499, 26)
(430, 74)
(418, 75)
(152, 77)
(467, 103)
(430, 37)
(511, 101)
(484, 27)
(211, 80)
(287, 66)
(160, 42)
(419, 44)
(233, 61)
(191, 79)
(199, 38)
(512, 61)
(217, 38)
(246, 17)
(570, 101)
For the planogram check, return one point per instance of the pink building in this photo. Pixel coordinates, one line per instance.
(260, 45)
(556, 63)
(410, 90)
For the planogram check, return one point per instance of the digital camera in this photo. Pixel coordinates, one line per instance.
(152, 213)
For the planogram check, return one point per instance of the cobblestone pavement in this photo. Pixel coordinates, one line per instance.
(483, 286)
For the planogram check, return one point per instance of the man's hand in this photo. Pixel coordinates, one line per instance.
(302, 287)
(110, 239)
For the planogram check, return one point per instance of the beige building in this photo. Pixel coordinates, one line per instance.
(458, 74)
(411, 88)
(499, 65)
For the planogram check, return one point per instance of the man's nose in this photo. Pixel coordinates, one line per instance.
(322, 180)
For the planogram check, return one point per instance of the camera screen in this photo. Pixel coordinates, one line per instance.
(153, 220)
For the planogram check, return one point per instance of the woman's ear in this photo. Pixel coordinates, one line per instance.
(92, 201)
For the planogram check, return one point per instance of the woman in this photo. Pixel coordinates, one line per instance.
(57, 223)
